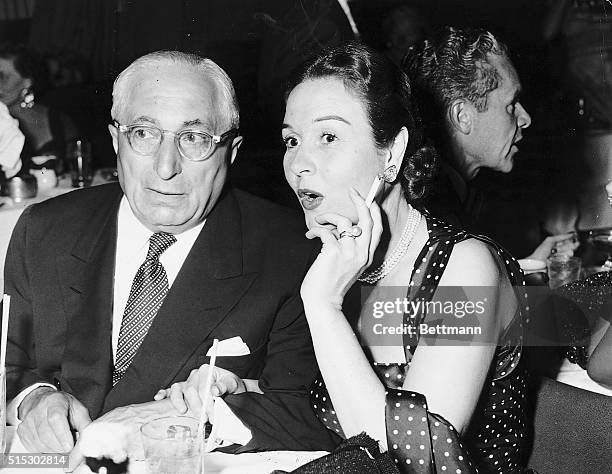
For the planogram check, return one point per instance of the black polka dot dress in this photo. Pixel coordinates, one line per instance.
(421, 441)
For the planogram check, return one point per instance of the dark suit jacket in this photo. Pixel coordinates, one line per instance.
(241, 278)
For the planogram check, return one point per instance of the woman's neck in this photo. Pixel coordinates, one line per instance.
(394, 210)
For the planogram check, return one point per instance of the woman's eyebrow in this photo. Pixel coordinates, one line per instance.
(332, 117)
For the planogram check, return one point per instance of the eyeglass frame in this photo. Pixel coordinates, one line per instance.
(216, 139)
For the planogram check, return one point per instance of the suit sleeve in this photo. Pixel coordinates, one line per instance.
(282, 418)
(21, 368)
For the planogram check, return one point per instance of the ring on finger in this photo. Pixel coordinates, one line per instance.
(553, 250)
(353, 232)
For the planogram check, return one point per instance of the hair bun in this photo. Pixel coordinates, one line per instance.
(419, 173)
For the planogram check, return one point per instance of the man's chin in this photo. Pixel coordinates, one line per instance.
(167, 222)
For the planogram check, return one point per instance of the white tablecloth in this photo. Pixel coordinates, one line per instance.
(215, 463)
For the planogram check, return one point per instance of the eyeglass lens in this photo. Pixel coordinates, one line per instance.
(193, 145)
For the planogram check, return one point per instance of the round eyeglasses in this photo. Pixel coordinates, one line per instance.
(195, 145)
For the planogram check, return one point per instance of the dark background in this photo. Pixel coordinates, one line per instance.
(258, 41)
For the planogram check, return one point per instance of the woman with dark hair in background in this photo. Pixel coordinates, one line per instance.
(22, 78)
(350, 119)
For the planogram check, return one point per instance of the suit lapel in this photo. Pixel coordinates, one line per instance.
(208, 285)
(86, 275)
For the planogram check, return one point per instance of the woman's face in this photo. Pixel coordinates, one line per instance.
(11, 82)
(329, 148)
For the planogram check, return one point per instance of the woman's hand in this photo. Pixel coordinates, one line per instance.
(188, 395)
(347, 250)
(561, 244)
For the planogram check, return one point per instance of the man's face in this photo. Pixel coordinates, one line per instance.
(497, 130)
(166, 191)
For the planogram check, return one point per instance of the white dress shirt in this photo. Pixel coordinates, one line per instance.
(132, 246)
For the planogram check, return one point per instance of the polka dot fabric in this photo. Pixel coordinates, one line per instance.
(422, 442)
(419, 440)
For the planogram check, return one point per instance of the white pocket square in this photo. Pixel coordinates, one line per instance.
(234, 346)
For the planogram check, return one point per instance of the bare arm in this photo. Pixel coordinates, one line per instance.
(357, 394)
(439, 370)
(599, 366)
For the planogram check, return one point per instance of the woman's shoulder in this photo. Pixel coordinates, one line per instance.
(473, 262)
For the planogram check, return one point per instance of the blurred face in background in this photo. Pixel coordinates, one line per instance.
(11, 82)
(166, 191)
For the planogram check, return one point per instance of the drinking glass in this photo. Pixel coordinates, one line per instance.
(171, 445)
(562, 269)
(78, 156)
(601, 239)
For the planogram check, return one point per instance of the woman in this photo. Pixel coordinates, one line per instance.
(22, 76)
(349, 118)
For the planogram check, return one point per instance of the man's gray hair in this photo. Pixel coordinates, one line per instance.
(453, 64)
(207, 67)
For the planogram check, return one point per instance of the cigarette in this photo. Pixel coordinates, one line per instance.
(373, 190)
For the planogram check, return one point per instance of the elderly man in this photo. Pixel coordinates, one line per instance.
(470, 94)
(118, 291)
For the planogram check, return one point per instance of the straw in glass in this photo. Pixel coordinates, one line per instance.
(6, 304)
(207, 388)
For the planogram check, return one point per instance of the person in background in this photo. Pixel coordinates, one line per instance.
(22, 79)
(469, 92)
(11, 143)
(120, 289)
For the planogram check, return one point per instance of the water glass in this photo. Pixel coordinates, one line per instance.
(171, 445)
(2, 410)
(78, 156)
(562, 269)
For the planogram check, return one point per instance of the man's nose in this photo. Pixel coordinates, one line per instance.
(168, 160)
(524, 119)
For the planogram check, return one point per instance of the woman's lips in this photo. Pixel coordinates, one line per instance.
(309, 199)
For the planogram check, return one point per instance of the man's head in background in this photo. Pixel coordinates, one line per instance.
(469, 92)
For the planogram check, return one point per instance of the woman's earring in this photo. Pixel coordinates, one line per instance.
(390, 174)
(27, 98)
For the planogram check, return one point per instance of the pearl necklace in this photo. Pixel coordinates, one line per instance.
(412, 223)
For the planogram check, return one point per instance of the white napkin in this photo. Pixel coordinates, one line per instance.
(11, 142)
(234, 346)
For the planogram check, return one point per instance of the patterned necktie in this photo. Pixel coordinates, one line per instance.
(147, 294)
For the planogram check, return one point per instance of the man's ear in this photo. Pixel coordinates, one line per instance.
(461, 116)
(235, 145)
(114, 134)
(397, 149)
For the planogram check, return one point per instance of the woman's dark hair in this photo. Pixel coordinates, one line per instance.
(28, 63)
(386, 94)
